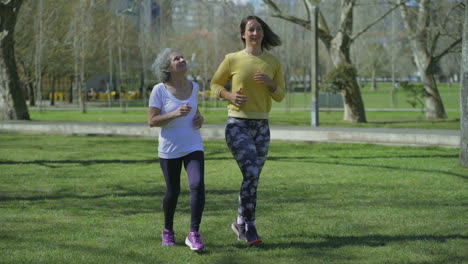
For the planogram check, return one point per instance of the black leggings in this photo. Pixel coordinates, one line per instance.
(194, 164)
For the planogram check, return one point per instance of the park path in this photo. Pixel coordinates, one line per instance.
(384, 136)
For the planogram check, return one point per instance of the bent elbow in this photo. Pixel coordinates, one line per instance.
(153, 125)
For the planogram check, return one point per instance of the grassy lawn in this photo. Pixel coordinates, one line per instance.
(281, 116)
(70, 199)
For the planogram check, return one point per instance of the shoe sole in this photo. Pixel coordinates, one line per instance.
(187, 242)
(255, 242)
(234, 229)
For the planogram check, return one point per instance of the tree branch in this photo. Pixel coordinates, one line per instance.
(434, 42)
(324, 33)
(442, 29)
(448, 49)
(307, 9)
(346, 19)
(423, 16)
(376, 21)
(278, 13)
(404, 14)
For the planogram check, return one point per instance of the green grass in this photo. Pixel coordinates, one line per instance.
(70, 199)
(381, 98)
(278, 117)
(378, 99)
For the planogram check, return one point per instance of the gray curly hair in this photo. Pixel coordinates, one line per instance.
(162, 61)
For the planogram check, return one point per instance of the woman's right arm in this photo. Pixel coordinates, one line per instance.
(155, 119)
(236, 98)
(220, 79)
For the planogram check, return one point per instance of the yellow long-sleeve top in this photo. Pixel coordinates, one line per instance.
(240, 67)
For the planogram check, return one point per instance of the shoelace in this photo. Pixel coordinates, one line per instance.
(168, 235)
(198, 238)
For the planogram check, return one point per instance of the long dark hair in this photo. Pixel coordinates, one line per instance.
(270, 39)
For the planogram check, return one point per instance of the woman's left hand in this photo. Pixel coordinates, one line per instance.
(198, 120)
(262, 78)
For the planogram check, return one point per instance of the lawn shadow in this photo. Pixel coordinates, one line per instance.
(337, 162)
(41, 197)
(369, 241)
(47, 163)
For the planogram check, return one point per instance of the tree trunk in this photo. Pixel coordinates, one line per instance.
(120, 79)
(12, 103)
(433, 102)
(83, 90)
(464, 94)
(52, 90)
(353, 104)
(339, 50)
(70, 90)
(31, 95)
(39, 39)
(374, 81)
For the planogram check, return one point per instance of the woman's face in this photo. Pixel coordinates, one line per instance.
(253, 33)
(178, 63)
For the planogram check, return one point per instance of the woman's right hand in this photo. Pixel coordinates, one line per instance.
(237, 98)
(183, 110)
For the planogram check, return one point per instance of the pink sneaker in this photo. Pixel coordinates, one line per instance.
(168, 238)
(194, 241)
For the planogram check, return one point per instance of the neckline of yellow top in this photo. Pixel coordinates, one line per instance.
(249, 54)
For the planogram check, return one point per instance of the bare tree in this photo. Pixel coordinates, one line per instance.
(82, 27)
(12, 103)
(450, 65)
(338, 47)
(464, 94)
(24, 51)
(165, 21)
(425, 33)
(369, 52)
(57, 46)
(144, 42)
(372, 60)
(38, 53)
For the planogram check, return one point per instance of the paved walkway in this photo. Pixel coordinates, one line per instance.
(384, 136)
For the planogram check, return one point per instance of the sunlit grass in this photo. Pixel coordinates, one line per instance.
(277, 117)
(287, 113)
(70, 199)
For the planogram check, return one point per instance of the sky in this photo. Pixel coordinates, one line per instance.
(254, 2)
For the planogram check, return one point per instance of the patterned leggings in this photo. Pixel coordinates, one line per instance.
(248, 140)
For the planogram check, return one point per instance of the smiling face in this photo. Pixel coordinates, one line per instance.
(178, 63)
(253, 33)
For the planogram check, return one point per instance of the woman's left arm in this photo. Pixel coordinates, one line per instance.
(275, 86)
(280, 92)
(198, 120)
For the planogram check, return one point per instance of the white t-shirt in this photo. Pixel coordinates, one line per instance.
(178, 137)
